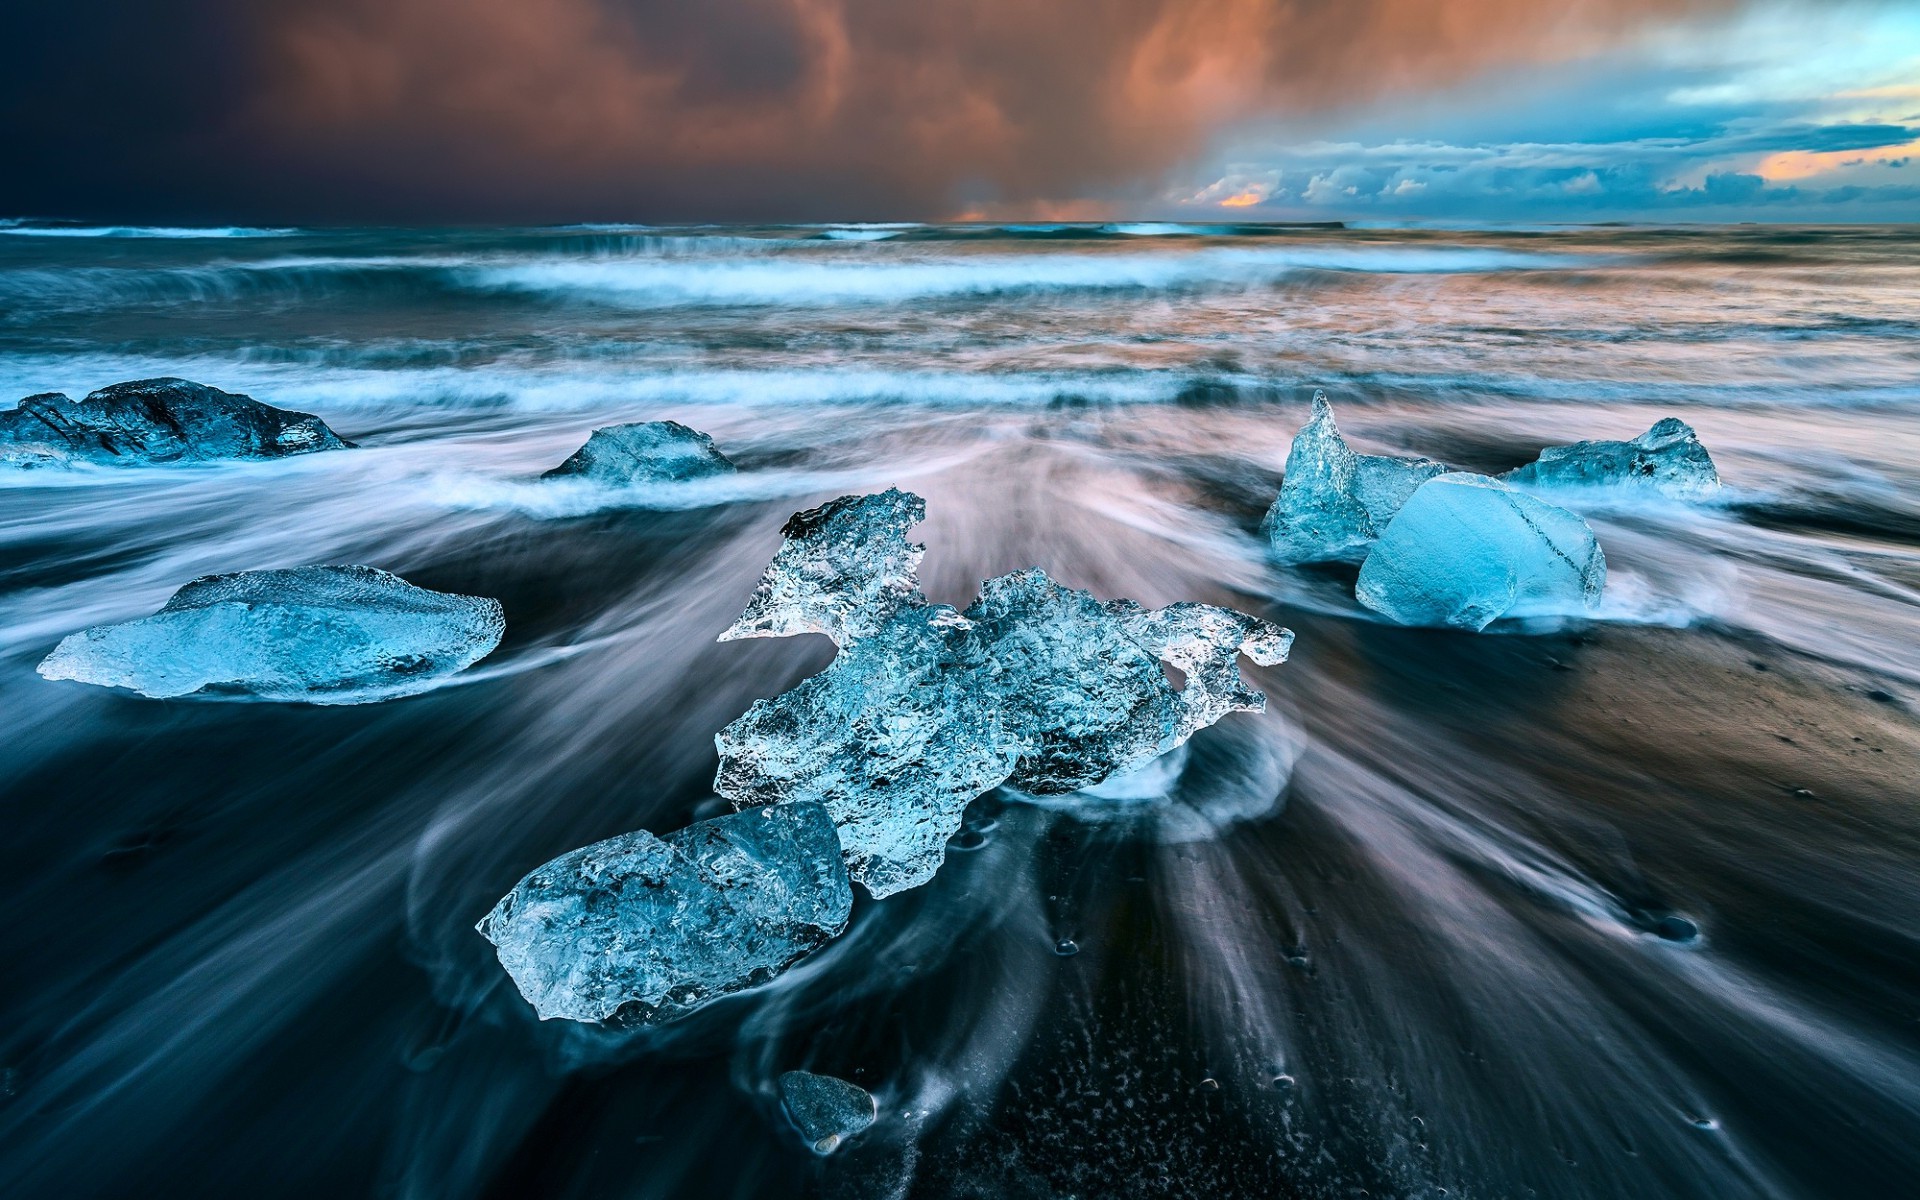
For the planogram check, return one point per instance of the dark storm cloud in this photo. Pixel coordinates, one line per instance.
(656, 109)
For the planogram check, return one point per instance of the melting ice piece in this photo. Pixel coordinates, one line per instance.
(640, 929)
(1466, 550)
(1667, 459)
(647, 452)
(157, 421)
(1036, 685)
(895, 738)
(826, 1111)
(1333, 503)
(844, 569)
(325, 635)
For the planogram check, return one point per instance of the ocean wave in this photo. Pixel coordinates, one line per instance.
(21, 228)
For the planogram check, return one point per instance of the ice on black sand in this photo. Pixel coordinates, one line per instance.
(1466, 550)
(324, 635)
(927, 707)
(642, 929)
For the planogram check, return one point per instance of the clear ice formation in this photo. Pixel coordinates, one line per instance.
(646, 452)
(1465, 550)
(324, 635)
(1667, 459)
(1333, 503)
(826, 1111)
(640, 929)
(925, 708)
(843, 570)
(156, 421)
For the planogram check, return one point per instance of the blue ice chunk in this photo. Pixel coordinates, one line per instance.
(844, 569)
(1036, 685)
(639, 929)
(646, 452)
(894, 738)
(1333, 502)
(325, 635)
(826, 1111)
(153, 421)
(1666, 460)
(1466, 550)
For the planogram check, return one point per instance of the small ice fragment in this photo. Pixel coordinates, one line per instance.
(1667, 459)
(1466, 550)
(324, 635)
(826, 1111)
(153, 421)
(646, 452)
(1333, 503)
(844, 569)
(640, 929)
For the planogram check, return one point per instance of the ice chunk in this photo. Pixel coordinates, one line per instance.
(1036, 685)
(1466, 550)
(157, 421)
(1667, 459)
(826, 1111)
(844, 569)
(647, 452)
(895, 737)
(1333, 503)
(640, 929)
(326, 635)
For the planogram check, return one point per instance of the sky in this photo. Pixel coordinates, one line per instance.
(1470, 111)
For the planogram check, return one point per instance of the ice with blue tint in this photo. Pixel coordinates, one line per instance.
(639, 929)
(1333, 502)
(154, 421)
(826, 1111)
(1466, 550)
(894, 738)
(324, 635)
(843, 570)
(644, 452)
(1036, 685)
(1666, 460)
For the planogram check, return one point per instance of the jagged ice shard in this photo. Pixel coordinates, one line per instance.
(640, 929)
(826, 1111)
(1333, 502)
(324, 635)
(646, 452)
(925, 708)
(1466, 550)
(1667, 459)
(152, 421)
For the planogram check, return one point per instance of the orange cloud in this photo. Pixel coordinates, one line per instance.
(791, 108)
(1242, 200)
(1801, 164)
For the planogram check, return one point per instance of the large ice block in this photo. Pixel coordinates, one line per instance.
(1334, 502)
(639, 929)
(1035, 684)
(646, 452)
(152, 421)
(1667, 460)
(1466, 550)
(325, 635)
